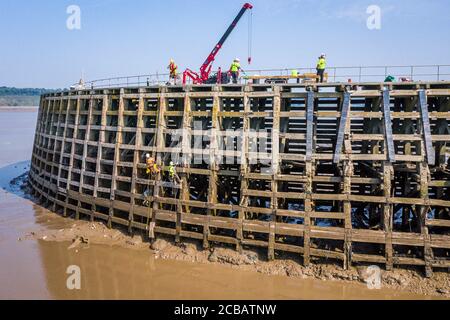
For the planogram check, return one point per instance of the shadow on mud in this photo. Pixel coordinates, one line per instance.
(13, 178)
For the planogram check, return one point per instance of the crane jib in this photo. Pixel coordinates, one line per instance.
(205, 69)
(227, 33)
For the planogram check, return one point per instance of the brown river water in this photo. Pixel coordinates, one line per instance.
(36, 269)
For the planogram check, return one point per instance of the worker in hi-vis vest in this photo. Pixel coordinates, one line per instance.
(173, 68)
(173, 176)
(151, 165)
(234, 70)
(321, 65)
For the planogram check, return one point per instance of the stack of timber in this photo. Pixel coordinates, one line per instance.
(306, 78)
(359, 173)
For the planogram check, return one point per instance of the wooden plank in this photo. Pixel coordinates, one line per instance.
(160, 142)
(275, 170)
(438, 223)
(342, 124)
(309, 125)
(424, 172)
(426, 127)
(388, 214)
(388, 126)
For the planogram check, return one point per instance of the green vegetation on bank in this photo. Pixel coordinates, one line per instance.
(21, 96)
(19, 101)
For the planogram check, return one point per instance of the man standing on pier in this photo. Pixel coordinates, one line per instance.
(234, 70)
(173, 68)
(321, 65)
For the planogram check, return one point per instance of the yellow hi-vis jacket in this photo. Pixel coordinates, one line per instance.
(321, 64)
(235, 67)
(171, 171)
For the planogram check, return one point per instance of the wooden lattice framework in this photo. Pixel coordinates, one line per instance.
(354, 172)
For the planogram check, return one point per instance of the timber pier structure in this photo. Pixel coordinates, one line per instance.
(358, 173)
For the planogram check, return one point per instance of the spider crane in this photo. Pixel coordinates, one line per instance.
(205, 69)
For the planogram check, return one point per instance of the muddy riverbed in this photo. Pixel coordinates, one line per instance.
(37, 246)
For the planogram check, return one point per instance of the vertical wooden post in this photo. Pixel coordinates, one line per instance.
(72, 151)
(85, 151)
(428, 251)
(388, 172)
(63, 143)
(428, 158)
(120, 126)
(275, 169)
(213, 166)
(137, 147)
(186, 147)
(348, 172)
(53, 138)
(309, 175)
(100, 149)
(244, 169)
(160, 143)
(347, 186)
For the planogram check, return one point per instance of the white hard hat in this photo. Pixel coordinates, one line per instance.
(237, 59)
(147, 155)
(171, 163)
(323, 54)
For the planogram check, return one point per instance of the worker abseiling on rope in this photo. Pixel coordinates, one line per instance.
(152, 166)
(173, 176)
(234, 70)
(321, 65)
(171, 170)
(173, 69)
(147, 196)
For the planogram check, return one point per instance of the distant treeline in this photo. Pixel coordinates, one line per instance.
(21, 96)
(7, 91)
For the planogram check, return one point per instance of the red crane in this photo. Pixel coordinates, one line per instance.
(205, 69)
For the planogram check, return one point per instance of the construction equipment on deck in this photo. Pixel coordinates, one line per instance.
(205, 69)
(268, 79)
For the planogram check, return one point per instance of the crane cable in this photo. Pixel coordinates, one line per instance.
(250, 36)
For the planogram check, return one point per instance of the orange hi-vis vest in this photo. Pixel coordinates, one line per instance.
(152, 166)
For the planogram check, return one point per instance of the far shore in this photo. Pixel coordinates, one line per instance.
(19, 108)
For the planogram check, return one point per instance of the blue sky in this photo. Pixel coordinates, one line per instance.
(130, 37)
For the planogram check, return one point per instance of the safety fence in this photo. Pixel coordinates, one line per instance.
(335, 74)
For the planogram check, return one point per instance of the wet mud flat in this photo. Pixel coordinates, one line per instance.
(77, 235)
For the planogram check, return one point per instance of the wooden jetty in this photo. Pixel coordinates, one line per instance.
(357, 172)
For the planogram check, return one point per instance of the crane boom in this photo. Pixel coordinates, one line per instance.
(205, 69)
